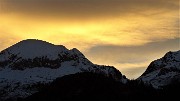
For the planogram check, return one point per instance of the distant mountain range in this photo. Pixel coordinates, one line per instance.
(32, 68)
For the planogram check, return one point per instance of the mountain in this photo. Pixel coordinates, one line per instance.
(30, 64)
(164, 71)
(38, 70)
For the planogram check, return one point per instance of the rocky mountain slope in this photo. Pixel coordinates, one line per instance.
(30, 63)
(163, 71)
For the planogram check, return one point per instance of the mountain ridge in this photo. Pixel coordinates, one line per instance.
(163, 71)
(32, 62)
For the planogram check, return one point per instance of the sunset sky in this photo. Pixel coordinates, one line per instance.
(127, 34)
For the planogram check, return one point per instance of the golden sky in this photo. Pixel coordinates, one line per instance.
(128, 34)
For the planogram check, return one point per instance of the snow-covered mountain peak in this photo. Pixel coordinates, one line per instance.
(33, 62)
(172, 56)
(163, 71)
(77, 52)
(35, 48)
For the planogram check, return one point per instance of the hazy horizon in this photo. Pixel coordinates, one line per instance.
(127, 34)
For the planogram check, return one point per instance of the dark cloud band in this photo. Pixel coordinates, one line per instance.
(86, 8)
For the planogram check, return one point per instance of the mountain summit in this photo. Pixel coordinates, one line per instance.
(29, 63)
(36, 53)
(163, 71)
(28, 49)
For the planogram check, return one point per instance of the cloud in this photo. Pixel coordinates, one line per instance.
(130, 57)
(87, 9)
(113, 22)
(92, 22)
(134, 51)
(133, 73)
